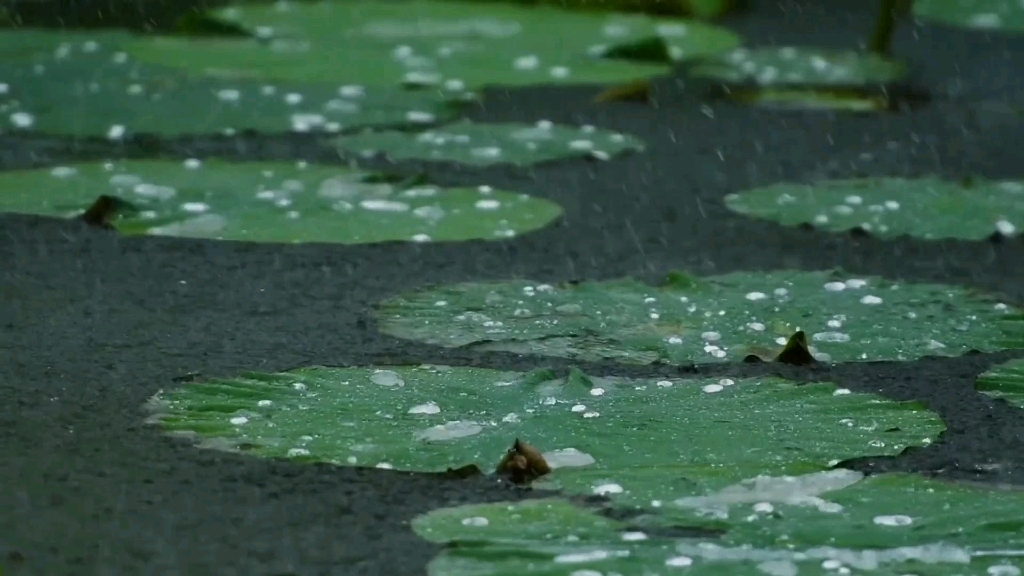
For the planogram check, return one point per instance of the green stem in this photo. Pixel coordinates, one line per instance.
(881, 39)
(888, 12)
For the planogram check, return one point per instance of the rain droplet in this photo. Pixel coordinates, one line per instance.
(712, 388)
(605, 489)
(633, 536)
(679, 562)
(387, 378)
(579, 557)
(568, 458)
(871, 300)
(384, 205)
(293, 452)
(478, 521)
(756, 296)
(1006, 228)
(831, 337)
(449, 431)
(428, 408)
(239, 420)
(835, 286)
(195, 207)
(419, 116)
(896, 520)
(22, 119)
(530, 62)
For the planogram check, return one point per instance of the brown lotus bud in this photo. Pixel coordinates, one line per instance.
(523, 463)
(796, 351)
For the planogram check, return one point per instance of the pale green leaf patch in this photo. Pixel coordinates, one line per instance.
(284, 202)
(713, 319)
(635, 440)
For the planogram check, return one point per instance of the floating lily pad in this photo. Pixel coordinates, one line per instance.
(1000, 15)
(798, 66)
(431, 43)
(694, 8)
(636, 440)
(492, 143)
(1004, 381)
(85, 86)
(888, 525)
(718, 318)
(927, 208)
(801, 77)
(274, 202)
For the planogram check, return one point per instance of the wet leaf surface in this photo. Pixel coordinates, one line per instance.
(488, 143)
(633, 440)
(83, 84)
(821, 524)
(439, 44)
(995, 15)
(274, 202)
(713, 319)
(929, 208)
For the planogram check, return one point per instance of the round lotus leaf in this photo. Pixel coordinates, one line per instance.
(712, 319)
(434, 44)
(492, 143)
(929, 208)
(798, 66)
(997, 15)
(801, 78)
(636, 440)
(274, 202)
(85, 86)
(890, 524)
(1004, 381)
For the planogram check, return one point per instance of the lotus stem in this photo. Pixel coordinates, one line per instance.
(888, 13)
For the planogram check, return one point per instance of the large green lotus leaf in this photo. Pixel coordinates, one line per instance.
(802, 78)
(707, 9)
(890, 525)
(798, 66)
(428, 43)
(635, 440)
(1004, 381)
(274, 202)
(1000, 15)
(492, 143)
(891, 510)
(69, 84)
(718, 318)
(928, 208)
